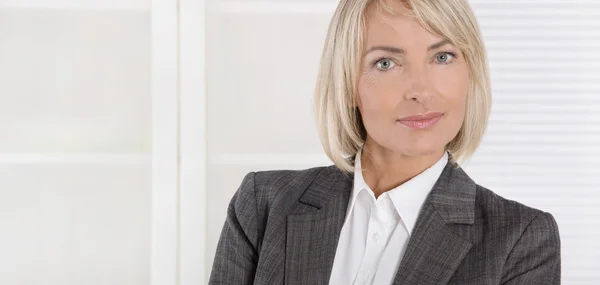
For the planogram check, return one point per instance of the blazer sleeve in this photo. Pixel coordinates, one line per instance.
(535, 258)
(237, 250)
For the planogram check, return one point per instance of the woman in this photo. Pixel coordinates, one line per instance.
(403, 93)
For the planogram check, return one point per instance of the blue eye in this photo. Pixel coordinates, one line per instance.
(444, 57)
(384, 64)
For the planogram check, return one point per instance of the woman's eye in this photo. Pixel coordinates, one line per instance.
(384, 64)
(444, 57)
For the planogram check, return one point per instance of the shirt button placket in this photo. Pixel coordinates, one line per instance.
(376, 237)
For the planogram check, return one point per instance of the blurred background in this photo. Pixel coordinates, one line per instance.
(127, 125)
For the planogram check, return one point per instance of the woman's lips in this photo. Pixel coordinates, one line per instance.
(421, 121)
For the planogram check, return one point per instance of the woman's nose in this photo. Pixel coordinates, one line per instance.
(417, 85)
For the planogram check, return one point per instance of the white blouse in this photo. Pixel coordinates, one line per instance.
(376, 231)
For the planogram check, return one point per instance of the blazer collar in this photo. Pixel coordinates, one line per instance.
(453, 194)
(312, 235)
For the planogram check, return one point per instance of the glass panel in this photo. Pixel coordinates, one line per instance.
(74, 80)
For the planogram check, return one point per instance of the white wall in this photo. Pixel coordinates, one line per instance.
(75, 153)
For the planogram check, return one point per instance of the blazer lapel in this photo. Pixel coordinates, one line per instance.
(435, 250)
(312, 236)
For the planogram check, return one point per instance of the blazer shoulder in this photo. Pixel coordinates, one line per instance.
(277, 192)
(497, 206)
(510, 216)
(272, 185)
(528, 237)
(263, 187)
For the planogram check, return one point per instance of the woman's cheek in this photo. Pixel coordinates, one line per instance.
(374, 103)
(368, 92)
(453, 80)
(367, 83)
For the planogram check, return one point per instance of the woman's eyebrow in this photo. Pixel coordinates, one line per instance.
(401, 51)
(438, 44)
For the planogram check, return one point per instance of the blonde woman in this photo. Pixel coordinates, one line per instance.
(403, 95)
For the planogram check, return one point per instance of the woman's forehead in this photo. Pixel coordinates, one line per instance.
(397, 29)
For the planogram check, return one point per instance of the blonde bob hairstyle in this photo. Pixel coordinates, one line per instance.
(338, 119)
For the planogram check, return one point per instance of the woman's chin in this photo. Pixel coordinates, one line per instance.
(422, 149)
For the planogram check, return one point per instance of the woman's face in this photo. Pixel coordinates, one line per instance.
(407, 71)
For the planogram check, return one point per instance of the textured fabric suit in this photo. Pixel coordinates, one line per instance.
(282, 227)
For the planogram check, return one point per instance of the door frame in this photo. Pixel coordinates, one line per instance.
(178, 143)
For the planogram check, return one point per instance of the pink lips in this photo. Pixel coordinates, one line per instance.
(421, 121)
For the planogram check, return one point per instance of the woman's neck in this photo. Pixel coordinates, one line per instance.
(383, 169)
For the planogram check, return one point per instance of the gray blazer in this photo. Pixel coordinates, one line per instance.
(282, 227)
